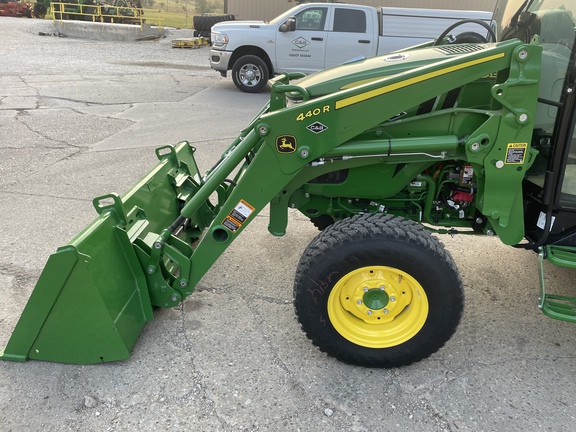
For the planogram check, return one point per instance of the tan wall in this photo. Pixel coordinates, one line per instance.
(268, 9)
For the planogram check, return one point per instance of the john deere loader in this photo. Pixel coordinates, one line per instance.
(471, 134)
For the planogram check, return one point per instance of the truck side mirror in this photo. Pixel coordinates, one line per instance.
(289, 25)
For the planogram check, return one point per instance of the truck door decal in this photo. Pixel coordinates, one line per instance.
(301, 42)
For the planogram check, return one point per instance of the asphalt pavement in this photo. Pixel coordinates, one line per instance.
(79, 119)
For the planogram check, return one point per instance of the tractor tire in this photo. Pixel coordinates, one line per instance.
(378, 291)
(205, 22)
(39, 11)
(202, 33)
(250, 74)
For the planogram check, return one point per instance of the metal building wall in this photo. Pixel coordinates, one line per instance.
(268, 9)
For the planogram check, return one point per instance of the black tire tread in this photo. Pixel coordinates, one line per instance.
(205, 22)
(249, 58)
(364, 226)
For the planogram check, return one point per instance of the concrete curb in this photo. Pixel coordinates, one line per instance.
(108, 31)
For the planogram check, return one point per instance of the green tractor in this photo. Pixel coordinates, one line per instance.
(41, 8)
(470, 134)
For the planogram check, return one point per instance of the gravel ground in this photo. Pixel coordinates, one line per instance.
(25, 53)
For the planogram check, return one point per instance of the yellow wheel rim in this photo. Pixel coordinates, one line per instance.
(377, 307)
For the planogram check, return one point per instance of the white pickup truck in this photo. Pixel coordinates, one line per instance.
(314, 36)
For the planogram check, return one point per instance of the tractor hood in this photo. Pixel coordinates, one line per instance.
(361, 72)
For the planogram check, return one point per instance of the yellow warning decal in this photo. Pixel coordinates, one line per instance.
(239, 214)
(515, 153)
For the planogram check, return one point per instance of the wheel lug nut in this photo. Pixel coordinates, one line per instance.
(369, 312)
(392, 299)
(382, 288)
(385, 311)
(359, 301)
(365, 289)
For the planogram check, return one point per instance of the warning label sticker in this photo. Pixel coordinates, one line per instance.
(231, 224)
(236, 218)
(516, 152)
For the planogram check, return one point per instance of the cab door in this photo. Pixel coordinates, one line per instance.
(303, 49)
(352, 35)
(550, 184)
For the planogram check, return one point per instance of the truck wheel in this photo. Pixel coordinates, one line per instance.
(378, 291)
(250, 73)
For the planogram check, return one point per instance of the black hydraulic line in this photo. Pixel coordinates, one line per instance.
(180, 221)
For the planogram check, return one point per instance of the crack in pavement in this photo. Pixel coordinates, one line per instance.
(43, 195)
(64, 144)
(198, 376)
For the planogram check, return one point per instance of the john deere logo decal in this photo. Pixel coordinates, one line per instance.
(317, 127)
(286, 144)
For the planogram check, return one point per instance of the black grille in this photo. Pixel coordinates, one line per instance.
(459, 49)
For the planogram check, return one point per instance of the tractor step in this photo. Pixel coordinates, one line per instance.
(559, 307)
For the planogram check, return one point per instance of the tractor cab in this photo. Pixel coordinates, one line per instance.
(550, 184)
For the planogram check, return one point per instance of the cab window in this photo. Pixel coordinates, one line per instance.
(311, 19)
(554, 24)
(349, 20)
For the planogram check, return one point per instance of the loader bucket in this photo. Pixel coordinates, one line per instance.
(92, 299)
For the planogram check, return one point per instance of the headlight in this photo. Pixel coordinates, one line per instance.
(219, 40)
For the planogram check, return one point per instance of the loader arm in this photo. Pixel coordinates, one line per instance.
(153, 245)
(350, 112)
